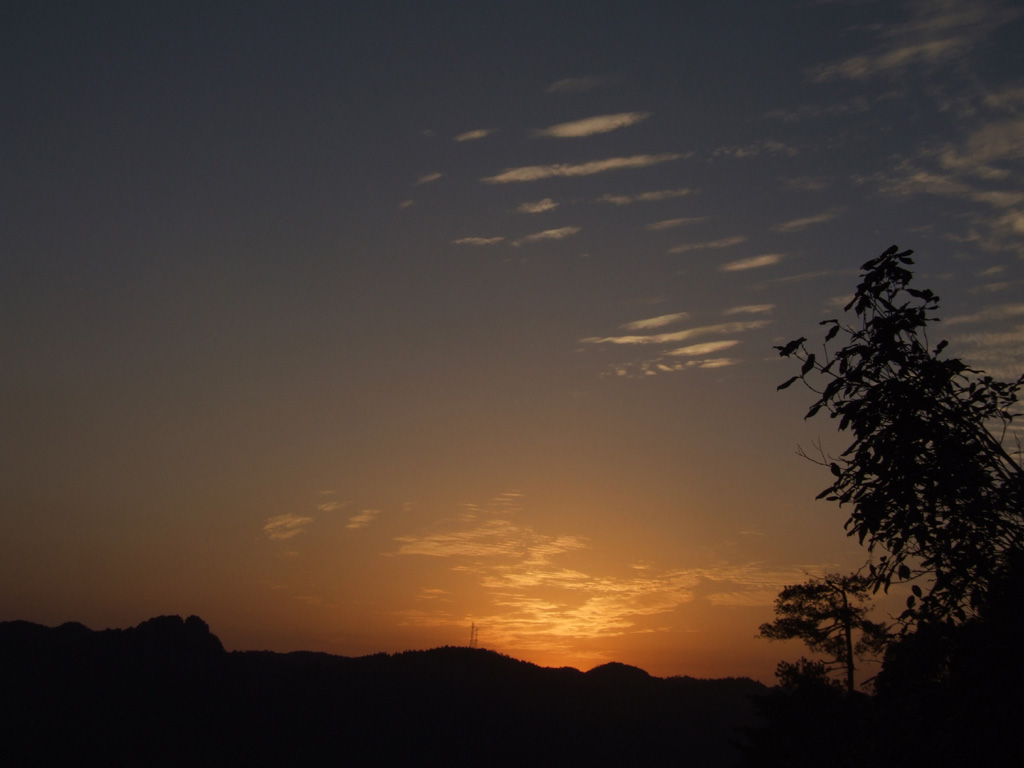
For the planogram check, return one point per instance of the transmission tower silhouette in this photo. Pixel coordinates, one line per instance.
(472, 636)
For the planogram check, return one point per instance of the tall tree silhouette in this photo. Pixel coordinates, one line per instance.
(934, 493)
(829, 614)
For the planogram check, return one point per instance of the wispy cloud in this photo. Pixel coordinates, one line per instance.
(807, 183)
(429, 177)
(537, 601)
(540, 206)
(1008, 97)
(665, 364)
(804, 112)
(1000, 353)
(285, 526)
(754, 262)
(363, 519)
(674, 223)
(767, 146)
(990, 288)
(706, 348)
(655, 322)
(645, 197)
(434, 594)
(548, 234)
(749, 309)
(996, 142)
(753, 598)
(1010, 224)
(938, 32)
(909, 180)
(1000, 199)
(576, 84)
(479, 133)
(593, 125)
(493, 538)
(536, 172)
(724, 242)
(677, 336)
(796, 225)
(720, 362)
(478, 240)
(998, 312)
(894, 59)
(972, 173)
(594, 607)
(597, 606)
(800, 277)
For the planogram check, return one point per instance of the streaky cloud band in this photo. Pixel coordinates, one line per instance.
(537, 172)
(593, 125)
(675, 336)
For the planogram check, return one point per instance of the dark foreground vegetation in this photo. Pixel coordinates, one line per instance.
(167, 693)
(933, 485)
(947, 696)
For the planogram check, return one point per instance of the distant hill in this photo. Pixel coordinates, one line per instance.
(167, 693)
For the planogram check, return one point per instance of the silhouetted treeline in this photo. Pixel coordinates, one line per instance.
(934, 490)
(948, 695)
(167, 693)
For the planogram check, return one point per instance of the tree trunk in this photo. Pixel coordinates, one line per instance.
(848, 629)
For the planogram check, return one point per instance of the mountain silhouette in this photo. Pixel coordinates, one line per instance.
(167, 693)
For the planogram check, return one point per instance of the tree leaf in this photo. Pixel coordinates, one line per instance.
(791, 347)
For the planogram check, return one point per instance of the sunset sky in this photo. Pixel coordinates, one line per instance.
(348, 326)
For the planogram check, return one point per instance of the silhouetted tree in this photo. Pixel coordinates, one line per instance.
(809, 721)
(951, 695)
(939, 502)
(933, 491)
(805, 673)
(829, 614)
